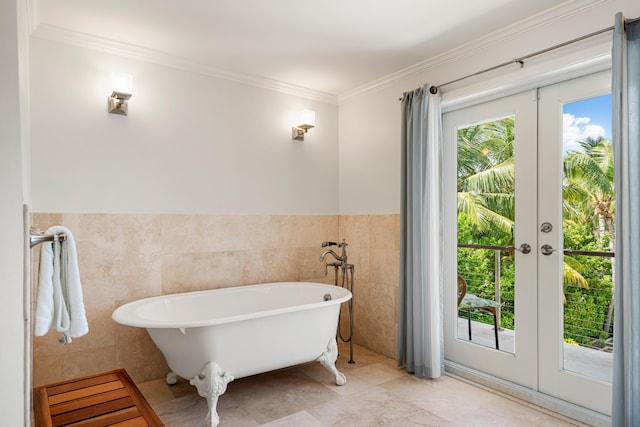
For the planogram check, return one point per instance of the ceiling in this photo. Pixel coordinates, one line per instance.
(329, 46)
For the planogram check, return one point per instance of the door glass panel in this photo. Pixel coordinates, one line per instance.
(589, 237)
(486, 215)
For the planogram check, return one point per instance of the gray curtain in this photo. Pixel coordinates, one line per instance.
(420, 343)
(626, 140)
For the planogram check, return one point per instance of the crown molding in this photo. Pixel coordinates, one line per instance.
(534, 24)
(530, 25)
(87, 41)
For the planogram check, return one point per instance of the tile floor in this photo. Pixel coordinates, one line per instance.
(377, 393)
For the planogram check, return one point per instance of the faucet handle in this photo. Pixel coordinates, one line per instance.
(335, 266)
(325, 244)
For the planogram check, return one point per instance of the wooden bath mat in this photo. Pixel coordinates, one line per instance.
(104, 399)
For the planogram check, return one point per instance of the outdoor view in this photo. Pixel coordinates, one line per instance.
(486, 224)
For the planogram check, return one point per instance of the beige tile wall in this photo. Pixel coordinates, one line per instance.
(124, 257)
(374, 249)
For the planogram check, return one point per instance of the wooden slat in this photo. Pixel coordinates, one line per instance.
(41, 409)
(84, 402)
(81, 383)
(104, 399)
(92, 411)
(109, 419)
(135, 422)
(139, 399)
(84, 392)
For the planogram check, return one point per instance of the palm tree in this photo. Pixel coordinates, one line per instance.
(486, 183)
(486, 175)
(588, 193)
(588, 184)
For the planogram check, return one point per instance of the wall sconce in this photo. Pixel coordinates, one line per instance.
(121, 86)
(307, 120)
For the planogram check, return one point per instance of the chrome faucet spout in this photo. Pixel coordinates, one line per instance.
(329, 252)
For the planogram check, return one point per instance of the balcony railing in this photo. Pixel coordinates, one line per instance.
(588, 303)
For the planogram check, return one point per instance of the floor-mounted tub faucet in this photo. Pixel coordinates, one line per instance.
(346, 281)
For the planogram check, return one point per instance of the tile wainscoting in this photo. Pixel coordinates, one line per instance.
(124, 257)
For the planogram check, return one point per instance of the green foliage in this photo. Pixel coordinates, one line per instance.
(477, 266)
(486, 175)
(586, 308)
(486, 217)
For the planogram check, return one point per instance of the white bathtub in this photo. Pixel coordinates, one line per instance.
(212, 337)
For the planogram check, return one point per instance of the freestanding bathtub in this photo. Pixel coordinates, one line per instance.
(212, 337)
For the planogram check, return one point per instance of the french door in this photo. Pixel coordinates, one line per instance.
(516, 174)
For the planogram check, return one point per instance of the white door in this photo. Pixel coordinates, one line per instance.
(541, 346)
(517, 360)
(579, 374)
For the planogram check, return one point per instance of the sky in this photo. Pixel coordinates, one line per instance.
(590, 117)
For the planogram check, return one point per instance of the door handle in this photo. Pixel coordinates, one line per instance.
(546, 250)
(524, 248)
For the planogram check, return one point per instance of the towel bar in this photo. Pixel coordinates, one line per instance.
(37, 236)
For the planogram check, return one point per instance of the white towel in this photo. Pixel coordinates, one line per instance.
(59, 303)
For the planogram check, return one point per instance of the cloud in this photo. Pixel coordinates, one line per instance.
(578, 128)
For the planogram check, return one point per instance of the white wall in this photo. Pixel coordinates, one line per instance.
(190, 144)
(369, 133)
(13, 69)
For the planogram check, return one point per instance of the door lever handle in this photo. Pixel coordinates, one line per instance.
(546, 250)
(524, 248)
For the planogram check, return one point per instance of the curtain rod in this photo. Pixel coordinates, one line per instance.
(521, 59)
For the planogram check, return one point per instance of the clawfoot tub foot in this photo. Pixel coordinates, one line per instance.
(328, 360)
(211, 383)
(172, 378)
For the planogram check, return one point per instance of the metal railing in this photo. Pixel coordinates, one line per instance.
(497, 263)
(481, 277)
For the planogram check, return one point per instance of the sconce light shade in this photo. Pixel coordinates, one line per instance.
(306, 121)
(122, 88)
(307, 118)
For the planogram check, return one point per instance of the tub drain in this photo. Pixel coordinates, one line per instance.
(327, 297)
